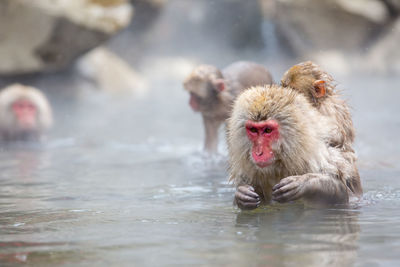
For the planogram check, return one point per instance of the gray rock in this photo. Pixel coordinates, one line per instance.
(47, 35)
(384, 55)
(108, 72)
(312, 25)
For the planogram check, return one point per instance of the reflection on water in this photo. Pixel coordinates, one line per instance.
(314, 237)
(130, 186)
(72, 202)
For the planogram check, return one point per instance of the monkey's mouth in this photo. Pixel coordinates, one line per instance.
(262, 157)
(263, 164)
(194, 102)
(27, 123)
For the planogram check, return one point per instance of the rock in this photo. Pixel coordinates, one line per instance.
(348, 36)
(384, 56)
(47, 35)
(381, 57)
(108, 72)
(146, 13)
(333, 61)
(373, 10)
(235, 23)
(313, 25)
(176, 68)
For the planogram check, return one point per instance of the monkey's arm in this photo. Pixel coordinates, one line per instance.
(315, 188)
(211, 126)
(353, 181)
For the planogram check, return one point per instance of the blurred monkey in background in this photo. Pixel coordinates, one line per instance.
(25, 113)
(212, 92)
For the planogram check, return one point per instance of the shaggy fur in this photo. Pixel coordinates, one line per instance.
(301, 149)
(301, 78)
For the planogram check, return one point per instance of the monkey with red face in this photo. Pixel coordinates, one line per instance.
(278, 150)
(213, 91)
(25, 113)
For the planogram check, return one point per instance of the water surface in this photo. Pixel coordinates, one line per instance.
(131, 187)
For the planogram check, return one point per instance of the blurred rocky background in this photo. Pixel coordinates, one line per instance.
(360, 35)
(50, 35)
(86, 54)
(75, 49)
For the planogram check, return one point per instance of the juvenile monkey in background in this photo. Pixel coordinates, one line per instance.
(278, 150)
(212, 92)
(25, 113)
(319, 87)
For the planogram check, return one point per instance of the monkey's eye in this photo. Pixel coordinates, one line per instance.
(267, 130)
(253, 130)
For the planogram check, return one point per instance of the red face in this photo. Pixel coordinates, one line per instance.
(194, 102)
(25, 112)
(262, 134)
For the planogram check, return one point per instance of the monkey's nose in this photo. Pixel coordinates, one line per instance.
(259, 151)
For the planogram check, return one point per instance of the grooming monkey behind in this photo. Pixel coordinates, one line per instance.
(212, 92)
(279, 150)
(319, 87)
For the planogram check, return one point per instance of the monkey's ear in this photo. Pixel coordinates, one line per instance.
(319, 88)
(219, 84)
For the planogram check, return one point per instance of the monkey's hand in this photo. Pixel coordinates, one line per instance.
(315, 188)
(246, 198)
(290, 188)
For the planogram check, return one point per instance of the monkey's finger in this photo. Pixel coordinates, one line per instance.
(288, 196)
(246, 198)
(248, 191)
(297, 195)
(247, 187)
(247, 205)
(250, 188)
(283, 182)
(285, 188)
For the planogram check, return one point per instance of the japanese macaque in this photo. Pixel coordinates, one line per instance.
(24, 113)
(279, 150)
(213, 91)
(319, 87)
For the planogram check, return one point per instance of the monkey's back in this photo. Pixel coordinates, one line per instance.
(344, 134)
(244, 74)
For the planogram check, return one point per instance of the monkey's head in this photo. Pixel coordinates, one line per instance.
(204, 84)
(309, 79)
(273, 127)
(24, 111)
